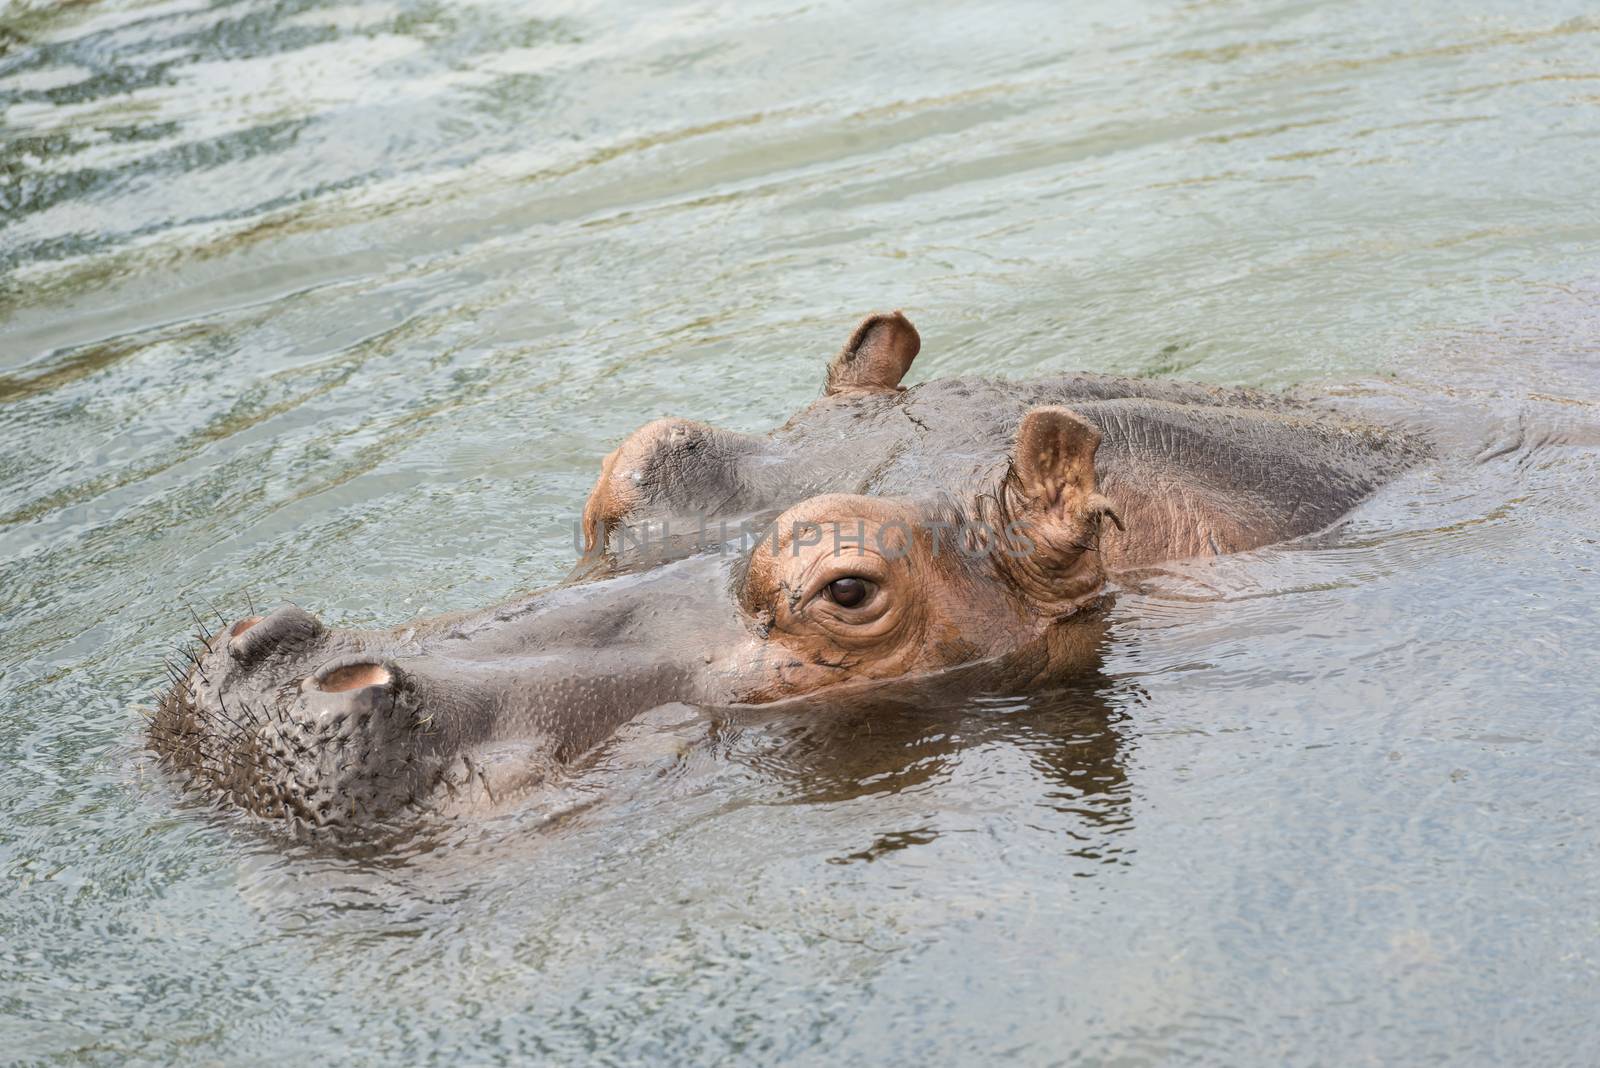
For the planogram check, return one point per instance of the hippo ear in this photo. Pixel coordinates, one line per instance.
(670, 467)
(876, 358)
(1052, 470)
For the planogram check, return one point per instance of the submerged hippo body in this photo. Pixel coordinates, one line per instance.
(881, 534)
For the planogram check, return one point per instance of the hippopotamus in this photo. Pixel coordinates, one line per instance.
(884, 536)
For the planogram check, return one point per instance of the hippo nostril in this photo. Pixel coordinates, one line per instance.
(253, 638)
(352, 698)
(352, 677)
(349, 674)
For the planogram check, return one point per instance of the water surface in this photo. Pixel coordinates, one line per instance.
(341, 304)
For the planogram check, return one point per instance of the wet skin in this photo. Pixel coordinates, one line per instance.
(879, 538)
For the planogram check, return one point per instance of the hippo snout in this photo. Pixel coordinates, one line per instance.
(325, 726)
(288, 717)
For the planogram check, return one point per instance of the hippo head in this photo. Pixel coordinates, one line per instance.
(827, 572)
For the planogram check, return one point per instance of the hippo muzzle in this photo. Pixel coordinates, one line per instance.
(286, 717)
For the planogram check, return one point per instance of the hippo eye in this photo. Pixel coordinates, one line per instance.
(849, 592)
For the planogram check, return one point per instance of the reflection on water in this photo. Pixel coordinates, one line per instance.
(341, 303)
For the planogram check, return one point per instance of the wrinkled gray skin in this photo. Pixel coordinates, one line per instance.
(288, 718)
